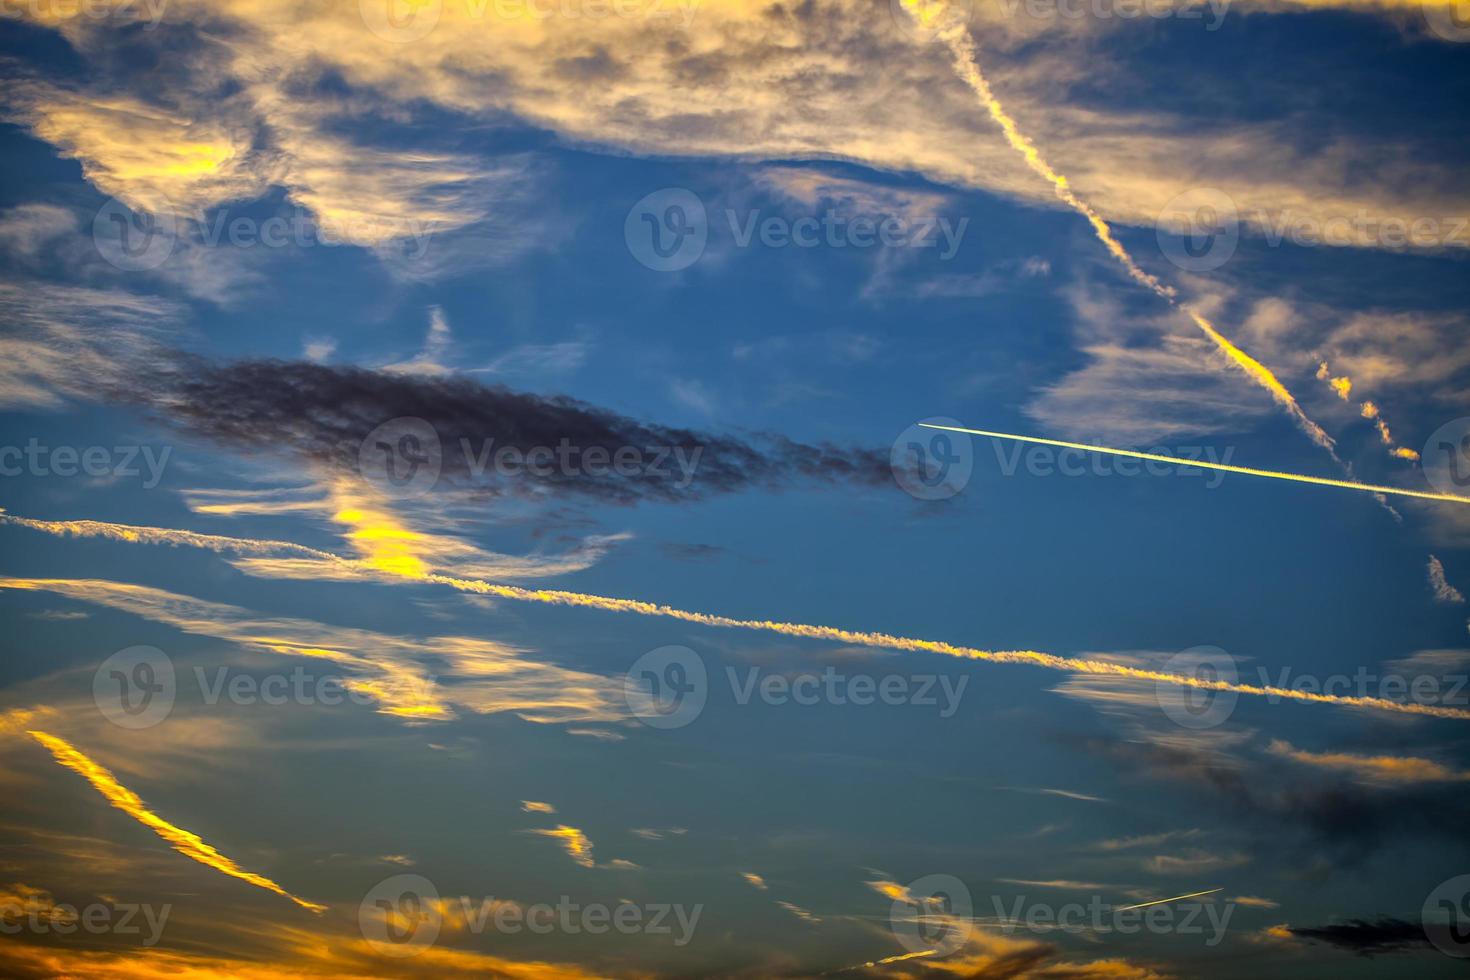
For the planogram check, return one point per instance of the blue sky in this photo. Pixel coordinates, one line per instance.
(488, 177)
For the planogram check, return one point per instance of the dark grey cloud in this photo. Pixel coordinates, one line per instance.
(324, 413)
(1365, 938)
(1350, 820)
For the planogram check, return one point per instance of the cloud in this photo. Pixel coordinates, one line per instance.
(755, 880)
(1366, 938)
(155, 160)
(73, 342)
(431, 360)
(532, 806)
(986, 956)
(20, 902)
(573, 841)
(293, 953)
(1443, 590)
(324, 413)
(415, 679)
(1062, 883)
(657, 833)
(390, 552)
(26, 229)
(186, 843)
(1373, 769)
(1146, 840)
(800, 913)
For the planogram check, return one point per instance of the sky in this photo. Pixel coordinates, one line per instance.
(470, 502)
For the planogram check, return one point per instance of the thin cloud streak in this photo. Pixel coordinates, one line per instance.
(189, 844)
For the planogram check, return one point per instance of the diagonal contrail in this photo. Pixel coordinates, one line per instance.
(957, 38)
(1162, 901)
(185, 842)
(1205, 465)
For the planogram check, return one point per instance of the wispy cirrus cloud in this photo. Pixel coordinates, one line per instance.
(1372, 769)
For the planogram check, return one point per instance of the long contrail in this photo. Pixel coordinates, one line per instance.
(962, 47)
(1205, 465)
(189, 844)
(1033, 658)
(1161, 901)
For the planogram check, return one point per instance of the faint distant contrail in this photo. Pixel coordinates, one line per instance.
(1050, 661)
(1202, 464)
(957, 38)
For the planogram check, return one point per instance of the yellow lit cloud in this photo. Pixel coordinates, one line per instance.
(573, 841)
(189, 844)
(1379, 769)
(476, 674)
